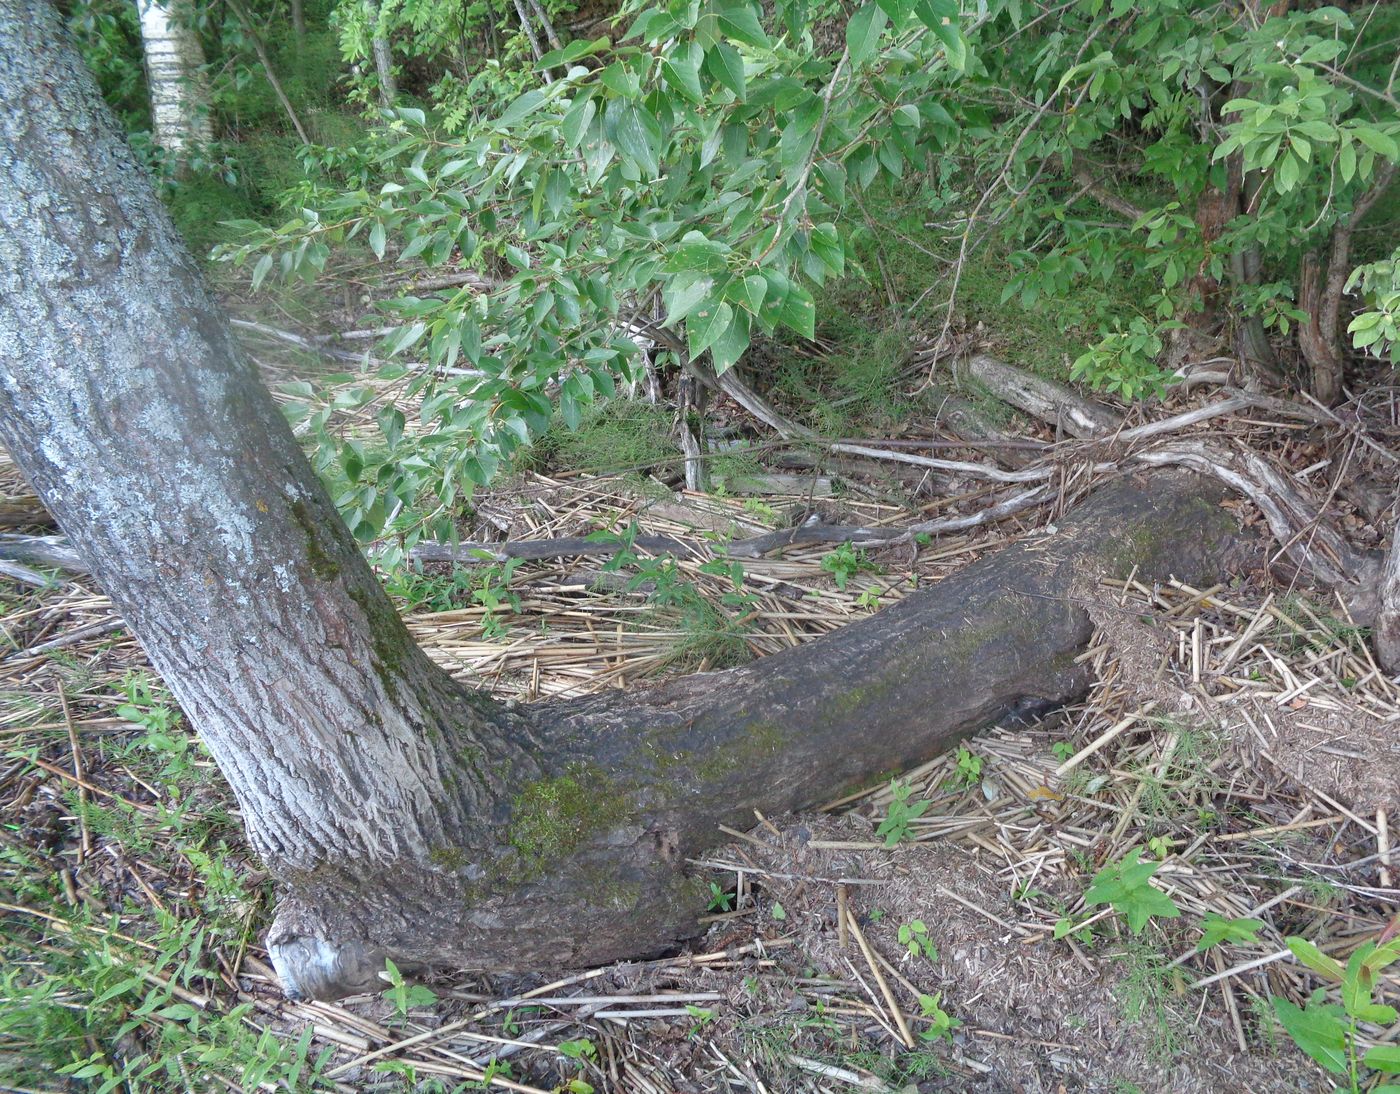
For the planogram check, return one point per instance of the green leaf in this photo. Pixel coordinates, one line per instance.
(695, 252)
(826, 245)
(755, 288)
(1217, 930)
(941, 17)
(683, 294)
(1314, 958)
(739, 22)
(725, 66)
(681, 69)
(798, 312)
(1317, 1031)
(577, 120)
(521, 109)
(708, 324)
(376, 238)
(636, 134)
(730, 346)
(1384, 1058)
(572, 52)
(863, 32)
(1376, 141)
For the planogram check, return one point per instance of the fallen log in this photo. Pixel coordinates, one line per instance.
(586, 863)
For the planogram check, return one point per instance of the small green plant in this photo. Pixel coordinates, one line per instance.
(913, 936)
(845, 562)
(721, 900)
(1216, 930)
(1062, 750)
(1328, 1031)
(1124, 361)
(941, 1023)
(870, 598)
(403, 995)
(778, 912)
(895, 828)
(492, 591)
(1126, 886)
(967, 770)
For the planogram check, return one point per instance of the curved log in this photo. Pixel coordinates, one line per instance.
(589, 862)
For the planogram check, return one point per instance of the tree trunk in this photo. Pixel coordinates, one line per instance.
(383, 56)
(1387, 629)
(1320, 290)
(404, 815)
(175, 74)
(298, 21)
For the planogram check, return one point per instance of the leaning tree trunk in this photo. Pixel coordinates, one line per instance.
(404, 815)
(175, 74)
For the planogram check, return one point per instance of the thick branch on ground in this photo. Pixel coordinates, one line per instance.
(1044, 399)
(585, 864)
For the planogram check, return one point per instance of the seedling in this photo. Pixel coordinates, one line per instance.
(894, 829)
(968, 771)
(1125, 885)
(941, 1023)
(914, 937)
(403, 995)
(1217, 930)
(720, 898)
(1328, 1031)
(845, 562)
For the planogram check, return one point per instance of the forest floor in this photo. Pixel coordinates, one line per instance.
(1240, 736)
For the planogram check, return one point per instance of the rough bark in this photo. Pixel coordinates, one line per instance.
(1320, 291)
(175, 75)
(1043, 399)
(1387, 628)
(404, 815)
(383, 56)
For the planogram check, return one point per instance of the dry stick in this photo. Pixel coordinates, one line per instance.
(881, 981)
(85, 844)
(1246, 967)
(1102, 739)
(1383, 846)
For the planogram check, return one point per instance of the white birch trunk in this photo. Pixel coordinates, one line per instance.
(175, 74)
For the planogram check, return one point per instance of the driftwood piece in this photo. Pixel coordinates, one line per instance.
(41, 551)
(1044, 399)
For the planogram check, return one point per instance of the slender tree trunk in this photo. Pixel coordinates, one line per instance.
(1320, 290)
(1387, 628)
(298, 21)
(175, 74)
(523, 12)
(383, 56)
(271, 73)
(404, 815)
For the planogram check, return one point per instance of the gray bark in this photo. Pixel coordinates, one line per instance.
(175, 74)
(1387, 630)
(383, 56)
(404, 815)
(125, 400)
